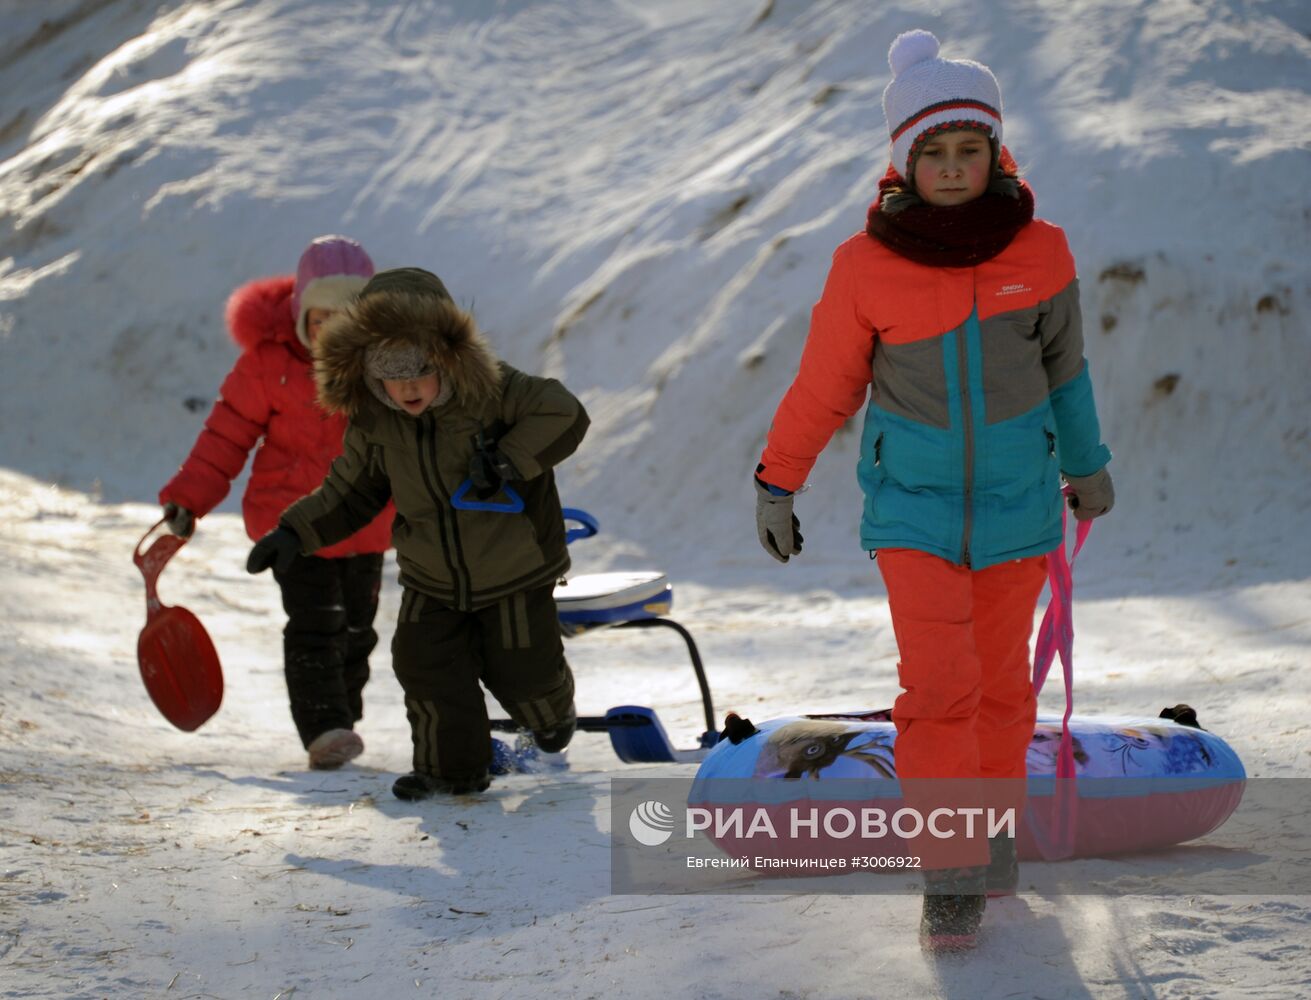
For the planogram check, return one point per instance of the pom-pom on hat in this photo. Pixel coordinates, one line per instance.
(331, 272)
(927, 92)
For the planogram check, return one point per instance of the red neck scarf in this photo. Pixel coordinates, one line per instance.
(957, 236)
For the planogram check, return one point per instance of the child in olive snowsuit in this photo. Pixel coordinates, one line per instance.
(431, 410)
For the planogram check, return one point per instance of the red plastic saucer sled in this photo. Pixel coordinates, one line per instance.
(178, 663)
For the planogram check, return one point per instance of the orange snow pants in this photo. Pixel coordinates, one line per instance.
(967, 707)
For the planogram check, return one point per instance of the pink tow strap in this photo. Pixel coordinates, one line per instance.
(1056, 637)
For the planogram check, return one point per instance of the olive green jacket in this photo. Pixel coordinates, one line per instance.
(464, 558)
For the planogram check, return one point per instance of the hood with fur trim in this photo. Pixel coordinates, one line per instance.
(261, 310)
(402, 313)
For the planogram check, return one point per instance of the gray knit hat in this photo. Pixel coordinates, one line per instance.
(403, 359)
(398, 361)
(401, 362)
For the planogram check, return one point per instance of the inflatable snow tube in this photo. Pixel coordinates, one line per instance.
(1142, 784)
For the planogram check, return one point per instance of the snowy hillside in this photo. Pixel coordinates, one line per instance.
(640, 198)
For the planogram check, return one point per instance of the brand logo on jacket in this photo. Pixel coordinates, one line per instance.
(1016, 289)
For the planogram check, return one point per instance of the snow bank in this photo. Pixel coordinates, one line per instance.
(642, 199)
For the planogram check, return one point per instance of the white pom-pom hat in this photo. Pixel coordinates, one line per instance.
(928, 93)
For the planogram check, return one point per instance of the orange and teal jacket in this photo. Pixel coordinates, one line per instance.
(979, 396)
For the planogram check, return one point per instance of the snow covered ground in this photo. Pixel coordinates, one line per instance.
(641, 199)
(137, 858)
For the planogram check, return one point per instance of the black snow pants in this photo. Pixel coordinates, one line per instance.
(330, 605)
(440, 656)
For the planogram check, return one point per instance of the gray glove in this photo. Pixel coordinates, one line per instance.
(179, 520)
(777, 526)
(1093, 495)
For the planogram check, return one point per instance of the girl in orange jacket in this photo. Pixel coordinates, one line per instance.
(956, 313)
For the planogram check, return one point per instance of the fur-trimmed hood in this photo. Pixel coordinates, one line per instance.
(261, 310)
(403, 307)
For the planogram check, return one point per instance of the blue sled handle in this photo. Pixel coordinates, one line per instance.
(637, 737)
(513, 506)
(590, 525)
(635, 734)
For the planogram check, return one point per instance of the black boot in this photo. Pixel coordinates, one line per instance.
(555, 740)
(417, 785)
(1003, 866)
(953, 908)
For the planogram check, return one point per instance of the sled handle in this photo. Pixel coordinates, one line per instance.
(1056, 639)
(513, 506)
(154, 559)
(590, 525)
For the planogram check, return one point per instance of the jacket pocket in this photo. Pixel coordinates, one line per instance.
(1051, 479)
(877, 480)
(869, 467)
(919, 457)
(498, 548)
(400, 531)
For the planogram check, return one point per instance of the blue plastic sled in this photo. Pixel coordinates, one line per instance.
(612, 600)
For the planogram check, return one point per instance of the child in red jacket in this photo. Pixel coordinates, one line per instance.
(957, 313)
(269, 398)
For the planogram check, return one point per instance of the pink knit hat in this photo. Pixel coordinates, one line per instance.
(331, 272)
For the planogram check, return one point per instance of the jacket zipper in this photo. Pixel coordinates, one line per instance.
(463, 579)
(453, 559)
(967, 421)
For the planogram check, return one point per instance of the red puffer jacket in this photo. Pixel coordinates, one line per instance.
(269, 394)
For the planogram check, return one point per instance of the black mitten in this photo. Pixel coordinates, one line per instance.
(737, 729)
(277, 549)
(1185, 715)
(488, 468)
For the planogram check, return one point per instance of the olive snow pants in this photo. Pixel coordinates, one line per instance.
(441, 655)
